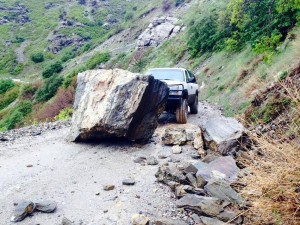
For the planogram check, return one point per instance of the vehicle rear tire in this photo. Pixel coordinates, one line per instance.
(182, 112)
(194, 106)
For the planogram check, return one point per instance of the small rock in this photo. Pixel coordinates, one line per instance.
(97, 193)
(139, 219)
(66, 221)
(198, 141)
(105, 211)
(176, 149)
(168, 222)
(152, 161)
(195, 156)
(109, 187)
(212, 221)
(128, 181)
(162, 156)
(140, 159)
(29, 165)
(174, 136)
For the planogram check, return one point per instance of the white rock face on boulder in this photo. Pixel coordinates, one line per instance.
(116, 103)
(160, 30)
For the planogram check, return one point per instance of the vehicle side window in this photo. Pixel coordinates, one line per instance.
(191, 75)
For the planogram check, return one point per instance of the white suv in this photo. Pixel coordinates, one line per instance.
(183, 91)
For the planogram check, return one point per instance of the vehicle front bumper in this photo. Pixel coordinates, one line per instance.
(173, 102)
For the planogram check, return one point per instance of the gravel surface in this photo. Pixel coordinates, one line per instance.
(37, 163)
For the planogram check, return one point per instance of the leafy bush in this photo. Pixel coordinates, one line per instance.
(128, 16)
(65, 114)
(49, 88)
(6, 85)
(71, 77)
(97, 59)
(37, 57)
(67, 56)
(8, 97)
(23, 109)
(264, 24)
(52, 69)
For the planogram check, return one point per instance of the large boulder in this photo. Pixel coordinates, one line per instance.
(116, 103)
(224, 135)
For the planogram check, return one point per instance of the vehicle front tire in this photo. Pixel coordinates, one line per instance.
(194, 106)
(182, 112)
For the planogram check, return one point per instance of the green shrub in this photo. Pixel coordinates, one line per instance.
(283, 75)
(242, 22)
(6, 85)
(8, 97)
(97, 59)
(67, 56)
(49, 88)
(128, 16)
(18, 114)
(52, 69)
(37, 57)
(65, 114)
(71, 76)
(267, 44)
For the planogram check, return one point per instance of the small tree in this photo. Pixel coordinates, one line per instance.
(52, 69)
(37, 57)
(6, 85)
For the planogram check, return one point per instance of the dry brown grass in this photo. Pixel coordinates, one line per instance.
(271, 187)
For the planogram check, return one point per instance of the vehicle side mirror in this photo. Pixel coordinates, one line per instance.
(192, 80)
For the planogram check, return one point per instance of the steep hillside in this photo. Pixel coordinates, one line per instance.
(234, 46)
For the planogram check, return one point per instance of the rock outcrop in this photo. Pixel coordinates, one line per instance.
(116, 104)
(59, 42)
(160, 30)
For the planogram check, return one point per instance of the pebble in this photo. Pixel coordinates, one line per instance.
(176, 149)
(128, 181)
(109, 187)
(139, 219)
(152, 161)
(29, 165)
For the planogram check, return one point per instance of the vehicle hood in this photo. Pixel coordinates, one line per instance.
(172, 82)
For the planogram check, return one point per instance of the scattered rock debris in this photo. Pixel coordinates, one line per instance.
(23, 209)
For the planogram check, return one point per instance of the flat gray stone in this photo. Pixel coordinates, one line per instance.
(223, 191)
(201, 205)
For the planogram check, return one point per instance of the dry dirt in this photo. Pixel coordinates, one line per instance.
(73, 175)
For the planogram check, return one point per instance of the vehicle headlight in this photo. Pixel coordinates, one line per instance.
(176, 89)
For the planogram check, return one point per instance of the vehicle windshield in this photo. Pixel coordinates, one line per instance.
(169, 74)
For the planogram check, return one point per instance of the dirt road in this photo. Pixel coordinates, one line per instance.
(46, 167)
